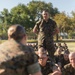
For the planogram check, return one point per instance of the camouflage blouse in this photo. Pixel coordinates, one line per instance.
(17, 59)
(68, 70)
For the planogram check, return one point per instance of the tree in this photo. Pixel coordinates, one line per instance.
(36, 7)
(64, 23)
(20, 15)
(27, 15)
(73, 20)
(6, 16)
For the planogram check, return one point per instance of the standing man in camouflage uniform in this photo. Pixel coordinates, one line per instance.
(15, 57)
(69, 69)
(45, 29)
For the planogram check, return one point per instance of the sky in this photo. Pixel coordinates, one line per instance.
(63, 5)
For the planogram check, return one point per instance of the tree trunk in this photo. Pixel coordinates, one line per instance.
(57, 37)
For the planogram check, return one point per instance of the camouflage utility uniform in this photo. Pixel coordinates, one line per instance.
(58, 58)
(68, 70)
(64, 62)
(45, 35)
(48, 68)
(17, 59)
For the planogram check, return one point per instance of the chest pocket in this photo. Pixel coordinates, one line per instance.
(46, 28)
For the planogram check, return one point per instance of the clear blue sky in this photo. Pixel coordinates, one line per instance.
(62, 5)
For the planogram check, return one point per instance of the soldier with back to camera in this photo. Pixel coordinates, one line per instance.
(15, 57)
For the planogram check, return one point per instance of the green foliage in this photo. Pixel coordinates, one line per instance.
(1, 41)
(3, 31)
(6, 17)
(72, 35)
(20, 15)
(64, 23)
(27, 15)
(32, 41)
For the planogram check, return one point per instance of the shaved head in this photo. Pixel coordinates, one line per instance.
(72, 59)
(16, 32)
(72, 55)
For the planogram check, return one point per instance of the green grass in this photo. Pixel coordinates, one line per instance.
(71, 45)
(31, 41)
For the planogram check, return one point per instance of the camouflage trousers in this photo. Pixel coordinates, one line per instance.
(49, 46)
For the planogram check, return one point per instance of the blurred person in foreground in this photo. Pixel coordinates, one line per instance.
(69, 69)
(47, 67)
(15, 57)
(46, 28)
